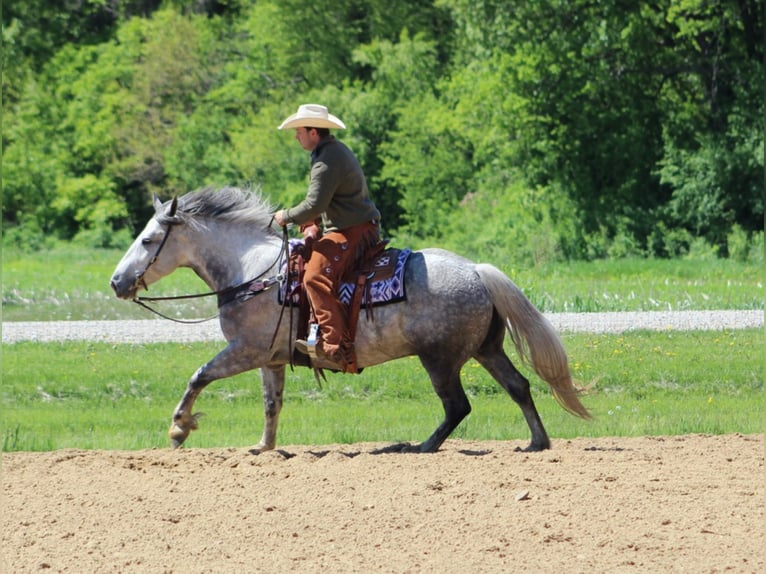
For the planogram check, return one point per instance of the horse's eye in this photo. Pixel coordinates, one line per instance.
(146, 240)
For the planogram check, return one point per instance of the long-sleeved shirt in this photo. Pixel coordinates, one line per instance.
(337, 190)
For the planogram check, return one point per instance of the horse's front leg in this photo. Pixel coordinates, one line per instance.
(229, 362)
(273, 383)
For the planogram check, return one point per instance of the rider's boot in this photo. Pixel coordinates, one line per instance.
(323, 359)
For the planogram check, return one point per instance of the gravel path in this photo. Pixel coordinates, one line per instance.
(159, 330)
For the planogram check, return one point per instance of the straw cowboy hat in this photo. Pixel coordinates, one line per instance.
(312, 116)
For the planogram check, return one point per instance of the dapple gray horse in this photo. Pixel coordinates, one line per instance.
(455, 310)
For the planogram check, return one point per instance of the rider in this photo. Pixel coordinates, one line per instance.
(338, 198)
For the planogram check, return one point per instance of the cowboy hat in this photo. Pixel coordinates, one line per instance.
(312, 116)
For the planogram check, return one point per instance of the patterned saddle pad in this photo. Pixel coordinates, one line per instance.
(385, 280)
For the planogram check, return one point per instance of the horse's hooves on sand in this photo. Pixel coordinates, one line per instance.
(532, 448)
(396, 448)
(255, 451)
(177, 436)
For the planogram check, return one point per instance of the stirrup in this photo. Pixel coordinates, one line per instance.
(321, 360)
(309, 346)
(303, 346)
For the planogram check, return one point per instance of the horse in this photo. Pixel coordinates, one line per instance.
(455, 310)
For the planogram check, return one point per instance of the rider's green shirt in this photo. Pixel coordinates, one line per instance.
(337, 190)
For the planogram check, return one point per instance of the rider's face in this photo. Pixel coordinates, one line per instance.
(307, 137)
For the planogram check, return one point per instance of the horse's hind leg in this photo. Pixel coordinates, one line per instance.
(500, 367)
(446, 382)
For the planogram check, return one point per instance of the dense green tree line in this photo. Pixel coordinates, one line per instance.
(534, 130)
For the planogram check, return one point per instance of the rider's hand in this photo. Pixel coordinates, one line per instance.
(310, 231)
(279, 217)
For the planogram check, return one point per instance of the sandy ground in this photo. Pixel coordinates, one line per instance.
(661, 504)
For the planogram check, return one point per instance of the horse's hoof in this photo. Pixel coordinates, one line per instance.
(259, 448)
(395, 448)
(177, 435)
(533, 448)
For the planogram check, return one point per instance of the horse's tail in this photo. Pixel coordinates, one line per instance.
(534, 337)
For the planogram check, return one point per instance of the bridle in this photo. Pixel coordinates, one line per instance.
(140, 277)
(241, 291)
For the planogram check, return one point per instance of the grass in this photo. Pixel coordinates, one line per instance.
(73, 284)
(643, 285)
(104, 396)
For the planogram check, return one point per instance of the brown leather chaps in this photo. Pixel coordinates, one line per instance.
(333, 256)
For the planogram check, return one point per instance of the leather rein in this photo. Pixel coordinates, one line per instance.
(242, 291)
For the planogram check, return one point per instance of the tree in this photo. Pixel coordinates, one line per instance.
(612, 93)
(634, 124)
(713, 140)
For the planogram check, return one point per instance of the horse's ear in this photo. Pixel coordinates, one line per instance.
(173, 207)
(157, 203)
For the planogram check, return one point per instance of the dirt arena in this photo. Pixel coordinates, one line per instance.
(662, 504)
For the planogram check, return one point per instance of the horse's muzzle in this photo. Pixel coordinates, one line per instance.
(124, 287)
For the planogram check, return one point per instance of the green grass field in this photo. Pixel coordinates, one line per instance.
(122, 396)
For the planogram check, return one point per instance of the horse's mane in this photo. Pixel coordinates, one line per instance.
(230, 204)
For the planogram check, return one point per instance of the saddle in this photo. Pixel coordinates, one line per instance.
(377, 280)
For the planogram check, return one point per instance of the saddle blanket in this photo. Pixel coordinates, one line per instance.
(380, 292)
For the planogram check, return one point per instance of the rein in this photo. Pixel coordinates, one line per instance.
(242, 291)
